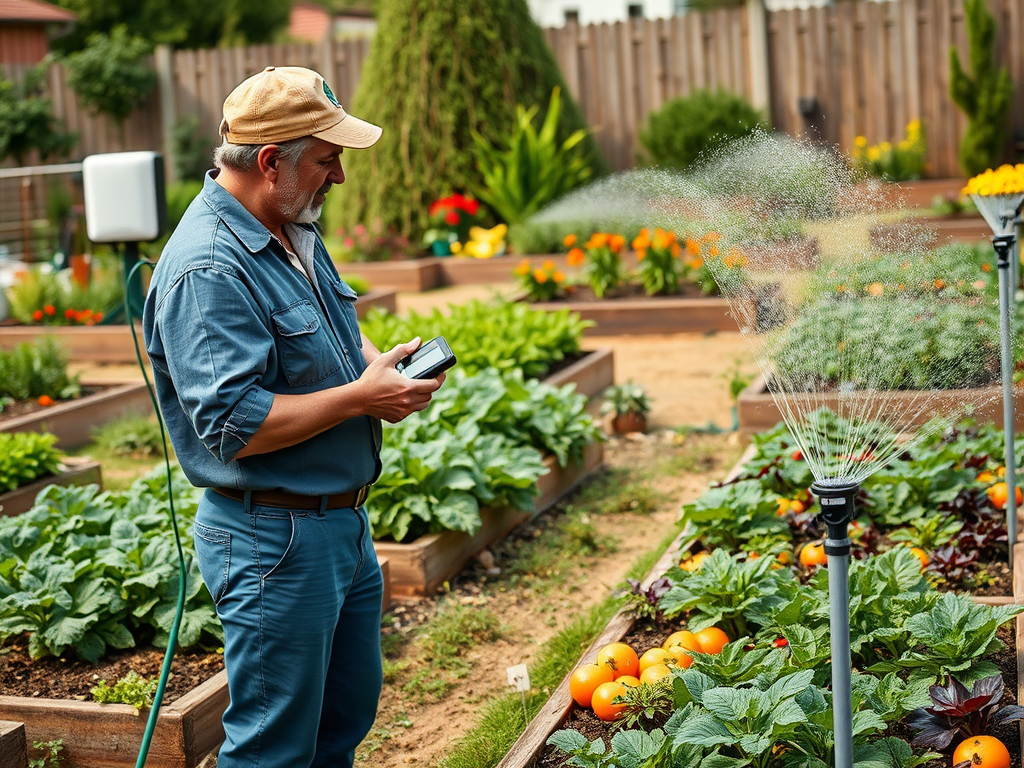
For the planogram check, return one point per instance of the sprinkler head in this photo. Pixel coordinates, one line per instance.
(1003, 244)
(837, 510)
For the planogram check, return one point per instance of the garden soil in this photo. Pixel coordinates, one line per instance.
(686, 377)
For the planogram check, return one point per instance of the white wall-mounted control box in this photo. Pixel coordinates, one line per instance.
(124, 197)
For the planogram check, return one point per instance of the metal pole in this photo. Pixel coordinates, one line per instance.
(837, 508)
(1004, 246)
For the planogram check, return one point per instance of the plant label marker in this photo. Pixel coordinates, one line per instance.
(519, 677)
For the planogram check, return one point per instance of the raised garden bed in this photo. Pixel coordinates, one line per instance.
(555, 713)
(591, 374)
(758, 411)
(77, 471)
(113, 343)
(72, 421)
(421, 566)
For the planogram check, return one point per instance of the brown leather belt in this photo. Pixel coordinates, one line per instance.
(286, 500)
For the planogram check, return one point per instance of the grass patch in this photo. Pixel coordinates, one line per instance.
(503, 718)
(621, 490)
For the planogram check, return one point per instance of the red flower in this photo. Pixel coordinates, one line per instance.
(452, 217)
(45, 401)
(50, 309)
(69, 314)
(37, 315)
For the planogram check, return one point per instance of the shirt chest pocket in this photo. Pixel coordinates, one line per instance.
(306, 352)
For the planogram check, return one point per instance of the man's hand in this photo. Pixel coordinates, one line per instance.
(388, 394)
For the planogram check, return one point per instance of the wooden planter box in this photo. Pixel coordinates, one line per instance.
(407, 275)
(72, 421)
(758, 411)
(110, 735)
(928, 231)
(591, 374)
(113, 343)
(420, 567)
(77, 471)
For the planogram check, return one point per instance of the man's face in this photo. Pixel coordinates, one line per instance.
(305, 184)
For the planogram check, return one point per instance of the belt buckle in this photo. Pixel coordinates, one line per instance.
(361, 495)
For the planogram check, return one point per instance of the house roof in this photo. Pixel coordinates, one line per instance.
(33, 10)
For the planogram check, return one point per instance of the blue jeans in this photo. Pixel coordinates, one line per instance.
(299, 595)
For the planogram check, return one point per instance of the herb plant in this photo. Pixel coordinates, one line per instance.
(25, 457)
(32, 370)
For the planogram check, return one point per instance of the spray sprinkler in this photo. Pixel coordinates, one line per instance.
(1000, 212)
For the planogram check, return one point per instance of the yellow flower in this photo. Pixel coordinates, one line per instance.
(540, 276)
(860, 142)
(455, 247)
(874, 154)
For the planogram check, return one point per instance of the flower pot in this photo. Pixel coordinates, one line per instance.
(440, 248)
(629, 422)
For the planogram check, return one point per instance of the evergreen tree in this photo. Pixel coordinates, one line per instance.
(437, 71)
(984, 96)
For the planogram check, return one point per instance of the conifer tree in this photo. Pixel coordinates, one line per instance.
(984, 96)
(437, 70)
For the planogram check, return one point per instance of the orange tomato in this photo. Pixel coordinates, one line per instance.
(985, 477)
(620, 658)
(785, 558)
(711, 639)
(694, 563)
(679, 638)
(585, 679)
(982, 752)
(654, 673)
(999, 494)
(601, 702)
(629, 681)
(796, 505)
(655, 656)
(681, 654)
(922, 556)
(783, 507)
(813, 555)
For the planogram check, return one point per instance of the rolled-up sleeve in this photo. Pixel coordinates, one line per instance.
(216, 347)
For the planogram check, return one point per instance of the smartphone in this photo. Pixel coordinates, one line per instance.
(428, 361)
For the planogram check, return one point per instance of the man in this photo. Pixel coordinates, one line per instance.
(273, 401)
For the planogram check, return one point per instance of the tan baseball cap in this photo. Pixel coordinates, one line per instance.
(284, 103)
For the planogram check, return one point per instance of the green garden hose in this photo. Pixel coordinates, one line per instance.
(172, 638)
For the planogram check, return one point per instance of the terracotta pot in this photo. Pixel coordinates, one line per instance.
(629, 422)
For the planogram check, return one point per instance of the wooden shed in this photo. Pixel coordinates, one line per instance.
(26, 27)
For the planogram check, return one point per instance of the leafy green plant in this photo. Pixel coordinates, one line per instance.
(132, 436)
(603, 268)
(685, 127)
(731, 515)
(26, 119)
(109, 75)
(660, 266)
(504, 335)
(25, 457)
(531, 168)
(132, 689)
(480, 443)
(544, 283)
(193, 151)
(84, 571)
(37, 369)
(51, 756)
(627, 397)
(984, 95)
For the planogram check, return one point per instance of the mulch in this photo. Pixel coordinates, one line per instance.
(69, 678)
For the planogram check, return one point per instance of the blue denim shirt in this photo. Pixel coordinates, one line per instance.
(229, 323)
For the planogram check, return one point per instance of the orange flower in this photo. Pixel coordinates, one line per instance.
(876, 289)
(523, 269)
(575, 257)
(692, 246)
(712, 237)
(696, 262)
(939, 285)
(598, 240)
(540, 276)
(548, 265)
(37, 315)
(46, 401)
(642, 241)
(676, 250)
(640, 253)
(50, 309)
(569, 241)
(616, 242)
(986, 267)
(97, 317)
(69, 314)
(558, 277)
(713, 250)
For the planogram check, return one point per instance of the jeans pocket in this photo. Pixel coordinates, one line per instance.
(275, 535)
(213, 552)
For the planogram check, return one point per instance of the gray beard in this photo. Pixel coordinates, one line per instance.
(300, 211)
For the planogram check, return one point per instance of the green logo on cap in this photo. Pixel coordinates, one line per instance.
(330, 94)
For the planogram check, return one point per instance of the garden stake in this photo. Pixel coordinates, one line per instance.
(837, 510)
(1004, 246)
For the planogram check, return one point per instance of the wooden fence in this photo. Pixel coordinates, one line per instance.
(835, 72)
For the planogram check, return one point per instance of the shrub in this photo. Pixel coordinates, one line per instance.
(31, 371)
(26, 119)
(132, 436)
(678, 133)
(373, 243)
(983, 97)
(25, 457)
(437, 71)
